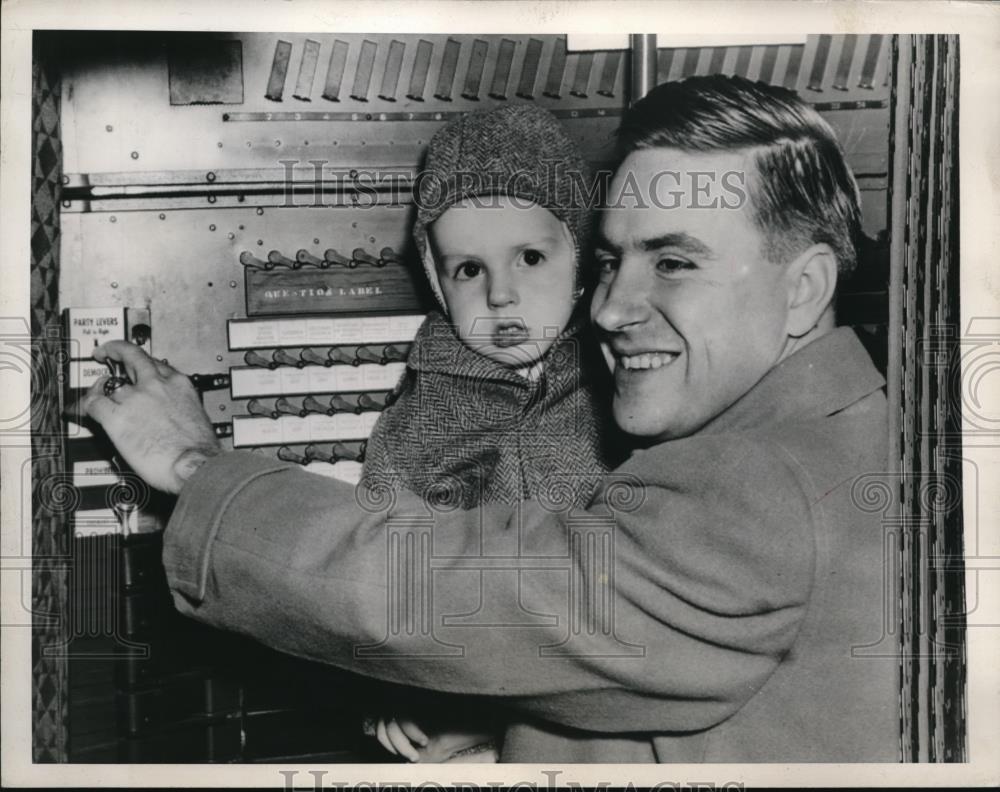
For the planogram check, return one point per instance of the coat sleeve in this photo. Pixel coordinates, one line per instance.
(663, 607)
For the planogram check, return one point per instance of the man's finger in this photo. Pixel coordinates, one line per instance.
(383, 737)
(138, 365)
(95, 404)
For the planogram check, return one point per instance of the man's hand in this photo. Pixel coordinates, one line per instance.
(157, 423)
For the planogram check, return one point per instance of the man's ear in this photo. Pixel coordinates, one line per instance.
(812, 283)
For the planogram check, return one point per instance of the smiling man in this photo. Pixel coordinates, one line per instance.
(733, 610)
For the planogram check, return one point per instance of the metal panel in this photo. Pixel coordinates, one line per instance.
(137, 260)
(107, 78)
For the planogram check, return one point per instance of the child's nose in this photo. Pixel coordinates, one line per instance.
(502, 293)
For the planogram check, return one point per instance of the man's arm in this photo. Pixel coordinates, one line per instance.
(706, 566)
(707, 570)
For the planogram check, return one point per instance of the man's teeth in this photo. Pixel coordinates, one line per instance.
(648, 360)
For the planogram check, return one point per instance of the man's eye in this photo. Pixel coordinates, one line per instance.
(532, 257)
(468, 270)
(607, 265)
(674, 264)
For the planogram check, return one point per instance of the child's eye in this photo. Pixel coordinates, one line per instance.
(532, 257)
(674, 264)
(468, 270)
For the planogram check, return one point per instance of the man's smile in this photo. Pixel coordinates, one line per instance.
(646, 360)
(625, 358)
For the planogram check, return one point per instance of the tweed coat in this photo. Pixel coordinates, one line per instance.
(463, 429)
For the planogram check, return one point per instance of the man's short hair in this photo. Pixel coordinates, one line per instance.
(802, 193)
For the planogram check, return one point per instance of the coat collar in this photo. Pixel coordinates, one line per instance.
(826, 376)
(437, 349)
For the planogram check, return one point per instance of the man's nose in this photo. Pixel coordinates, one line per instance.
(623, 303)
(502, 291)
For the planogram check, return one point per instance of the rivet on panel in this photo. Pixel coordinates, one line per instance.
(260, 241)
(135, 155)
(277, 143)
(219, 144)
(211, 199)
(66, 204)
(232, 284)
(222, 407)
(242, 227)
(65, 180)
(315, 240)
(113, 219)
(114, 284)
(211, 227)
(210, 176)
(219, 358)
(163, 216)
(109, 128)
(260, 210)
(231, 235)
(210, 284)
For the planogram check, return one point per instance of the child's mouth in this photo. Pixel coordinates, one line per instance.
(508, 334)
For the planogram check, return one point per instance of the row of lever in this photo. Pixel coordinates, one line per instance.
(338, 403)
(389, 353)
(331, 258)
(338, 452)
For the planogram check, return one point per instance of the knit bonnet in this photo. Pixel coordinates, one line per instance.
(517, 150)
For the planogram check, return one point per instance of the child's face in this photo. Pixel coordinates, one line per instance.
(507, 273)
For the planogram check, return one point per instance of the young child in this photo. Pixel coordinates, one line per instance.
(503, 395)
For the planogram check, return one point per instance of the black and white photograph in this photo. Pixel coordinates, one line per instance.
(585, 394)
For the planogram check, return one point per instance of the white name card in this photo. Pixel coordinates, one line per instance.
(322, 331)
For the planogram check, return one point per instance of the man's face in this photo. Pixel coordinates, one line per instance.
(690, 312)
(507, 272)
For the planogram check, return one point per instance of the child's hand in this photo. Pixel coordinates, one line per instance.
(398, 735)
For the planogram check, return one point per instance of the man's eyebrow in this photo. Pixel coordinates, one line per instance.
(681, 241)
(603, 243)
